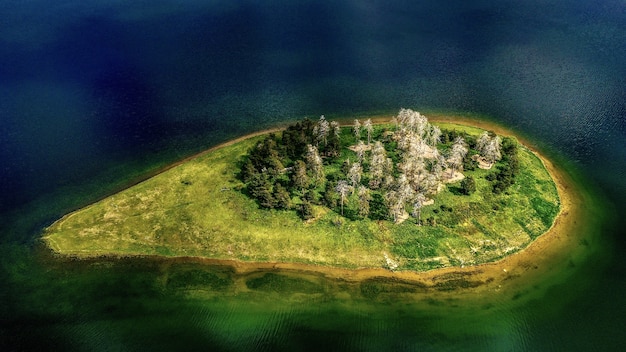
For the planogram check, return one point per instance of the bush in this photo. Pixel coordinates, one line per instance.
(306, 210)
(468, 185)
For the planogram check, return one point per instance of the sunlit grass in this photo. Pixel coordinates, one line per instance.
(198, 209)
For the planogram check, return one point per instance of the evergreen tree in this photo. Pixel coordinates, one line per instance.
(314, 163)
(282, 200)
(306, 210)
(299, 177)
(468, 185)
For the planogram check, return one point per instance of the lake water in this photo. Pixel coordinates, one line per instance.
(95, 95)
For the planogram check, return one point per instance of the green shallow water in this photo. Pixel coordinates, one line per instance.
(164, 304)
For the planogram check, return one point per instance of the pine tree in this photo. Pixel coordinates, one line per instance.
(299, 177)
(314, 163)
(282, 200)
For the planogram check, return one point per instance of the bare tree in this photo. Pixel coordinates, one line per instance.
(357, 129)
(369, 128)
(355, 173)
(360, 150)
(434, 136)
(322, 129)
(482, 141)
(343, 188)
(395, 204)
(489, 147)
(418, 203)
(457, 154)
(364, 201)
(377, 164)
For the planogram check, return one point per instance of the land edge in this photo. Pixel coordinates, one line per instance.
(492, 273)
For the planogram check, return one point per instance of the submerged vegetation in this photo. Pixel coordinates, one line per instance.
(407, 195)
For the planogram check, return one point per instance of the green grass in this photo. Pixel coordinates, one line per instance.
(198, 209)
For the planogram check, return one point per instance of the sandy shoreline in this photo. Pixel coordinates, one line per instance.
(485, 275)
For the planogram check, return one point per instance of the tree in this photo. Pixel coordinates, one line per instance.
(489, 147)
(457, 153)
(334, 143)
(418, 203)
(299, 177)
(282, 200)
(336, 129)
(364, 201)
(360, 150)
(369, 128)
(330, 195)
(342, 188)
(395, 204)
(468, 185)
(314, 163)
(434, 136)
(321, 130)
(357, 129)
(492, 151)
(354, 175)
(377, 165)
(482, 141)
(306, 210)
(378, 209)
(260, 189)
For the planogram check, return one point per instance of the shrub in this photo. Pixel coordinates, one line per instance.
(468, 185)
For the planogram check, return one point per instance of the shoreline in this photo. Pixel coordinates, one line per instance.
(481, 275)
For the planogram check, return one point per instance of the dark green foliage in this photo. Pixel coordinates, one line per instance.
(545, 210)
(378, 208)
(507, 169)
(331, 197)
(271, 282)
(296, 137)
(282, 200)
(468, 185)
(306, 210)
(468, 163)
(333, 146)
(299, 177)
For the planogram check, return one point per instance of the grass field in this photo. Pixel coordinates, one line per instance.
(198, 209)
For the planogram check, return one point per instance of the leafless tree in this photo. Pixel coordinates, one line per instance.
(343, 188)
(369, 128)
(357, 129)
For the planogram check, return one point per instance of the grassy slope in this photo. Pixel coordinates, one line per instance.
(195, 209)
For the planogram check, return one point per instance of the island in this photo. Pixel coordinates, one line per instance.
(405, 195)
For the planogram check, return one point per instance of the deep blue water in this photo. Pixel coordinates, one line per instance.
(95, 94)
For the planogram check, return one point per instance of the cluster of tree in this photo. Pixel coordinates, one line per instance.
(382, 174)
(505, 173)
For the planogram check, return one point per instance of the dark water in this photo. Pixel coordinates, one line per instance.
(96, 94)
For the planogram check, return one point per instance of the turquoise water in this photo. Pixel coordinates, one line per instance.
(95, 95)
